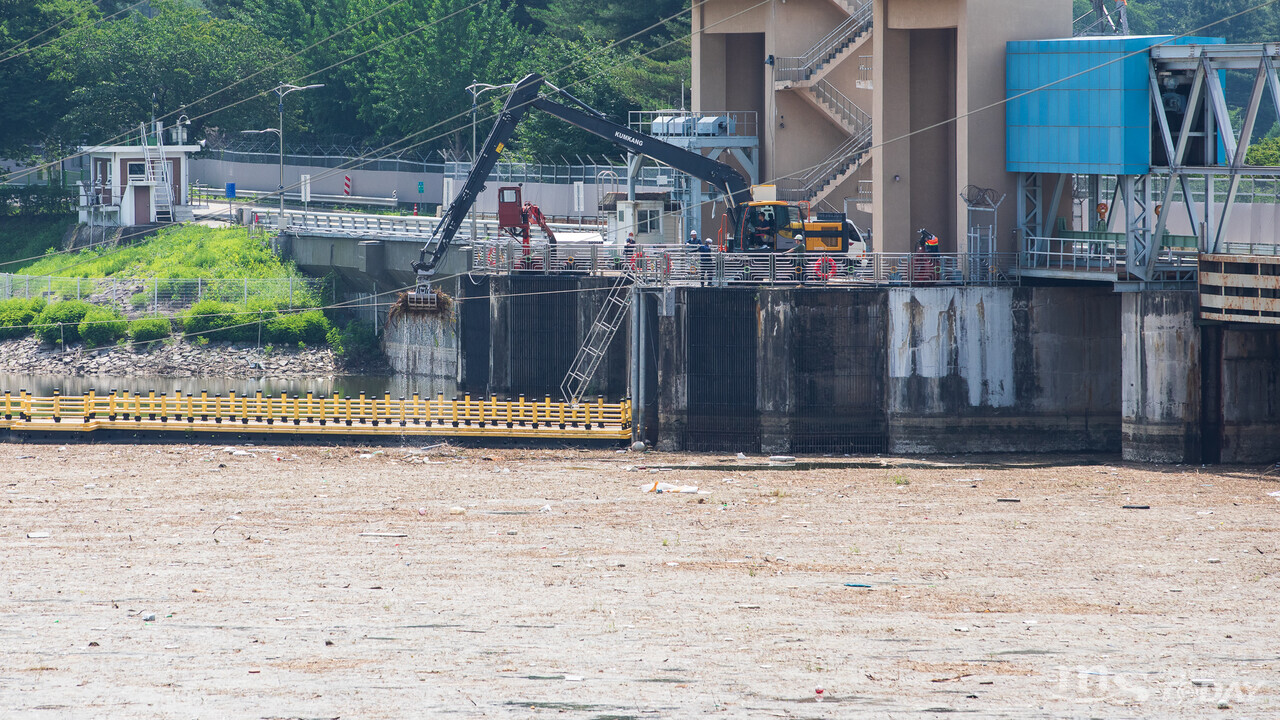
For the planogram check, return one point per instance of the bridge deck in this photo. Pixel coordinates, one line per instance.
(319, 416)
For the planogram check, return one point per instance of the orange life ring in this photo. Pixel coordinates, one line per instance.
(824, 267)
(489, 256)
(636, 256)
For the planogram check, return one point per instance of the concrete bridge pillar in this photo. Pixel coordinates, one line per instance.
(1161, 370)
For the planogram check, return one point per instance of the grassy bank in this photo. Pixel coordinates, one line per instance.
(23, 237)
(190, 251)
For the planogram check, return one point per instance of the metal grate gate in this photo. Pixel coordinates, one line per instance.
(542, 332)
(840, 370)
(721, 375)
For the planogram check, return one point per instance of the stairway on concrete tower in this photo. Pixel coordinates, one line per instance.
(828, 52)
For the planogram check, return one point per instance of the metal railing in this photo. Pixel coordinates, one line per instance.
(866, 189)
(143, 296)
(737, 123)
(317, 415)
(1237, 248)
(664, 265)
(306, 221)
(866, 72)
(851, 114)
(808, 184)
(1101, 255)
(823, 51)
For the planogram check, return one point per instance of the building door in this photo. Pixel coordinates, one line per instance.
(141, 204)
(102, 180)
(174, 178)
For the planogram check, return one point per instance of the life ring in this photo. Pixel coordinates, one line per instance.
(489, 256)
(824, 267)
(636, 256)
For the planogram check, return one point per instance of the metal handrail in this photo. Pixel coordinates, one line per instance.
(805, 185)
(846, 108)
(679, 265)
(801, 68)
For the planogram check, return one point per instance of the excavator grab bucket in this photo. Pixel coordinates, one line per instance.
(422, 296)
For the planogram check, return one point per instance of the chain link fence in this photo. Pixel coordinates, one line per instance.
(137, 297)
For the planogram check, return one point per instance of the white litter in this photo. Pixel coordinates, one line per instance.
(661, 487)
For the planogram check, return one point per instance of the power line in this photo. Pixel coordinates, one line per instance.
(182, 108)
(55, 39)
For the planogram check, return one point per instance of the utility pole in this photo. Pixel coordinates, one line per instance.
(476, 88)
(281, 90)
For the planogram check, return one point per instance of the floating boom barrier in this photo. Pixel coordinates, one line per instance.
(317, 415)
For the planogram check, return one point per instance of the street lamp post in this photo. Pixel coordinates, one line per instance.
(476, 88)
(281, 90)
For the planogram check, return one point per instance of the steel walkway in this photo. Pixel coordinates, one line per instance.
(315, 416)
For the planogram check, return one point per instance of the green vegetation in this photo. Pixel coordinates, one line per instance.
(23, 237)
(102, 326)
(149, 328)
(191, 251)
(60, 321)
(162, 58)
(230, 322)
(17, 314)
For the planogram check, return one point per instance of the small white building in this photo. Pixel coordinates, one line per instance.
(653, 216)
(138, 184)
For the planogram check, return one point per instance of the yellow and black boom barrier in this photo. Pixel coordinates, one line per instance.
(317, 415)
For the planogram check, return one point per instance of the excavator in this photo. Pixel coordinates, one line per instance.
(747, 225)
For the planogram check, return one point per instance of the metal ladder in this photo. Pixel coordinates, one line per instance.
(603, 328)
(158, 172)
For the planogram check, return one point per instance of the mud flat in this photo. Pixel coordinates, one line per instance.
(178, 581)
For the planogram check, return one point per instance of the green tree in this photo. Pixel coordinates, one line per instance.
(128, 70)
(29, 57)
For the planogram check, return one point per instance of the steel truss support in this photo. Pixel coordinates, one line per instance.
(1030, 215)
(1207, 100)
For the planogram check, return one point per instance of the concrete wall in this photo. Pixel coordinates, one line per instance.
(729, 73)
(1249, 406)
(905, 370)
(424, 346)
(552, 198)
(1161, 400)
(537, 324)
(1003, 369)
(902, 51)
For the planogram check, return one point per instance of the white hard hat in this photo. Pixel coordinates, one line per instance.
(693, 233)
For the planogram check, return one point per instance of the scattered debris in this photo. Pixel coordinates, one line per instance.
(455, 510)
(857, 585)
(37, 535)
(1201, 682)
(1008, 500)
(383, 534)
(1137, 507)
(149, 617)
(661, 487)
(638, 446)
(781, 459)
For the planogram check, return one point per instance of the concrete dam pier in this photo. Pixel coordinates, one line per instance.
(882, 370)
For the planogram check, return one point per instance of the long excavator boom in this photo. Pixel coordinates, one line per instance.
(525, 95)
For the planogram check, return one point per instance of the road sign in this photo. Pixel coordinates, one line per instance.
(231, 191)
(420, 187)
(346, 184)
(306, 188)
